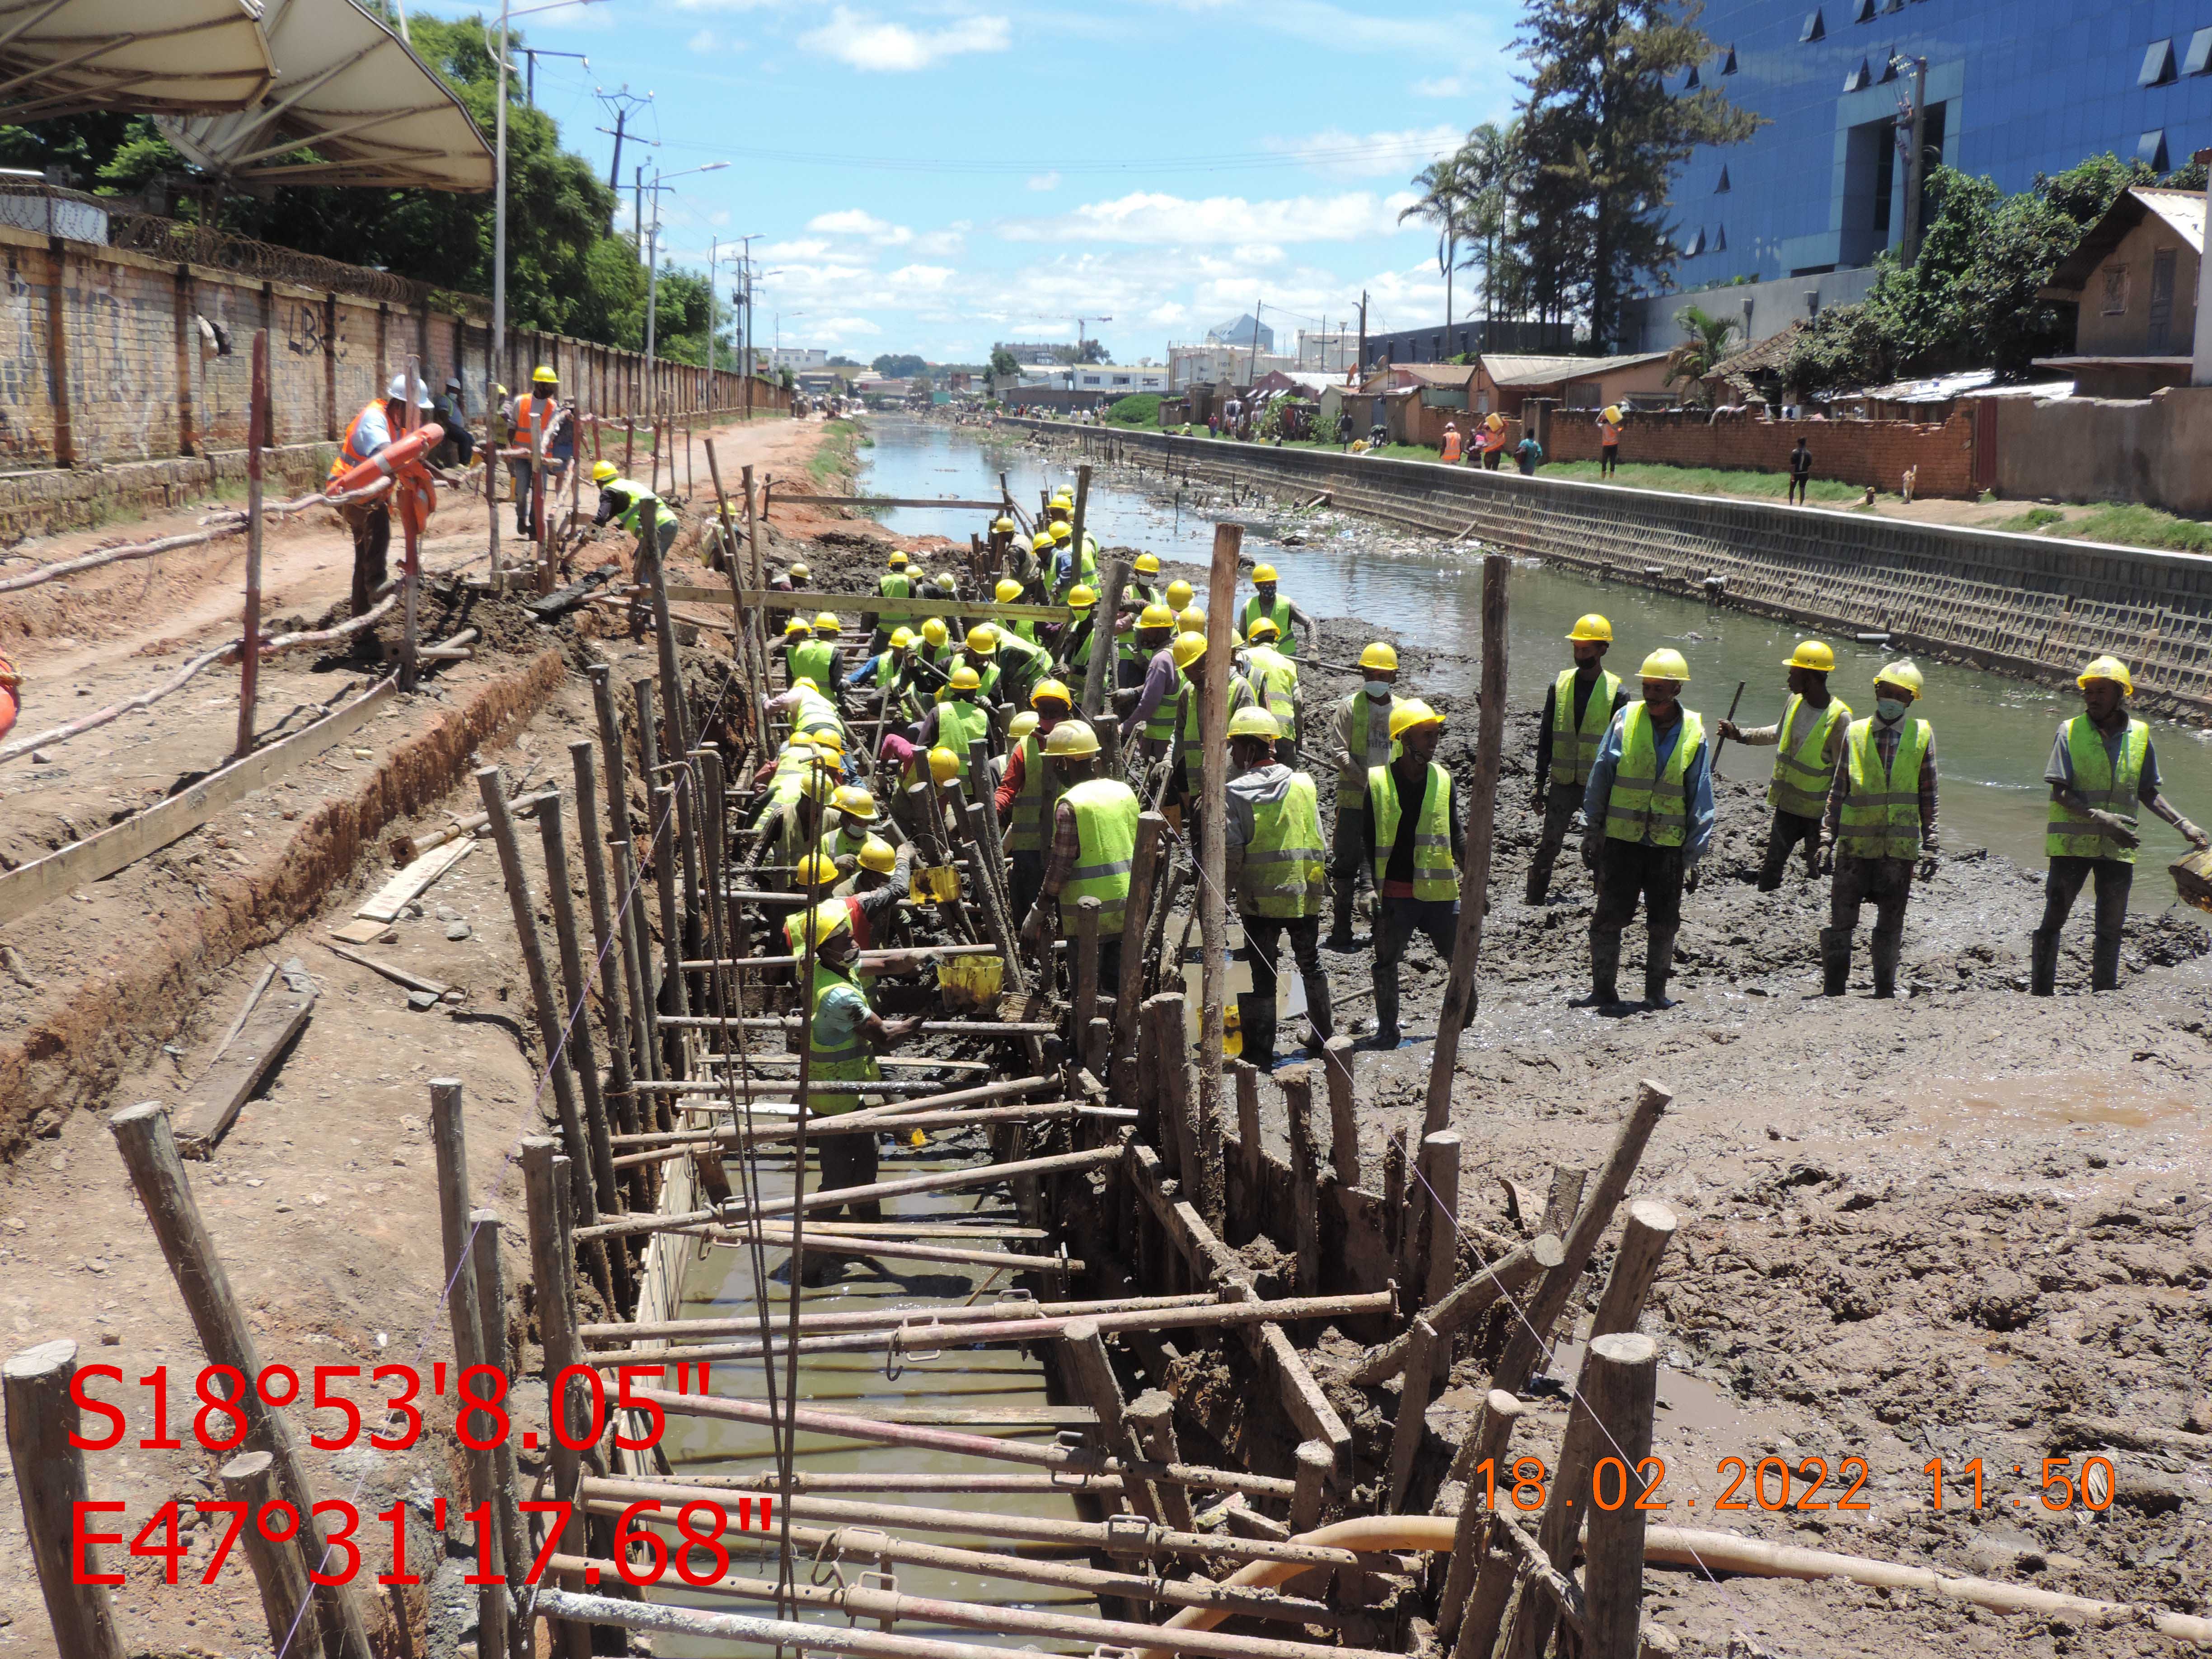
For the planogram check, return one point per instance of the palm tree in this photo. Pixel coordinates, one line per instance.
(1443, 203)
(1709, 341)
(1490, 162)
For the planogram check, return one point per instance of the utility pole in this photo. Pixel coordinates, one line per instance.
(1252, 373)
(530, 81)
(713, 248)
(1915, 160)
(1361, 366)
(622, 103)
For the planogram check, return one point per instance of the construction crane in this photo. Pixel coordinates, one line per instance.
(1079, 322)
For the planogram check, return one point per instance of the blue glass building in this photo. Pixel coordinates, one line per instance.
(2014, 89)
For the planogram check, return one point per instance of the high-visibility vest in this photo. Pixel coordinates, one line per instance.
(1574, 748)
(895, 586)
(1452, 446)
(1028, 825)
(1021, 663)
(812, 659)
(1278, 613)
(959, 723)
(1881, 817)
(1365, 751)
(1648, 800)
(888, 669)
(2070, 834)
(1283, 874)
(351, 453)
(1160, 724)
(1275, 682)
(814, 712)
(1106, 813)
(631, 518)
(1435, 877)
(518, 430)
(1802, 776)
(1194, 746)
(852, 1060)
(794, 841)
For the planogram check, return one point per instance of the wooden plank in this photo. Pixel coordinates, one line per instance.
(207, 1112)
(386, 902)
(32, 884)
(397, 975)
(895, 501)
(362, 932)
(869, 602)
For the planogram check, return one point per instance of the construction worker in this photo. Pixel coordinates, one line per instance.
(883, 671)
(1154, 712)
(1578, 711)
(1650, 791)
(373, 429)
(843, 1034)
(960, 718)
(792, 579)
(1010, 591)
(2102, 767)
(1026, 792)
(1021, 663)
(449, 411)
(1880, 822)
(1275, 868)
(1001, 541)
(1274, 677)
(1179, 595)
(1414, 844)
(1060, 509)
(822, 658)
(936, 646)
(797, 823)
(1807, 745)
(1359, 742)
(981, 653)
(1091, 849)
(630, 504)
(852, 819)
(1266, 602)
(1190, 655)
(1071, 650)
(1071, 567)
(541, 402)
(896, 583)
(1147, 579)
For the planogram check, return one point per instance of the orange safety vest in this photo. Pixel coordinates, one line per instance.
(518, 431)
(351, 456)
(1452, 446)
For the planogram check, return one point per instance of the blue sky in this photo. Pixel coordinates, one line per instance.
(932, 175)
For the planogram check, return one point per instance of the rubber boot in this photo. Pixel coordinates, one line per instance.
(1886, 949)
(1658, 964)
(1319, 1014)
(1539, 879)
(1835, 960)
(1386, 1006)
(2042, 963)
(1604, 971)
(1258, 1015)
(1341, 897)
(2105, 961)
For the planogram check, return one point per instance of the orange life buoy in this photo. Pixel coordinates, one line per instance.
(388, 460)
(10, 700)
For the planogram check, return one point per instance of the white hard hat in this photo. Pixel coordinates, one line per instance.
(397, 392)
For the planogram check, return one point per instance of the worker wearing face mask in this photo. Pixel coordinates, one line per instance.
(1359, 742)
(1879, 826)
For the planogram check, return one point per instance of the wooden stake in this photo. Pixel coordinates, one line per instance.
(1343, 1110)
(1086, 972)
(1436, 1263)
(1504, 1277)
(1485, 1608)
(1096, 681)
(1151, 1419)
(1171, 1050)
(607, 953)
(1488, 1441)
(1316, 1466)
(575, 1016)
(42, 1424)
(1643, 1239)
(149, 1151)
(554, 1282)
(491, 1332)
(249, 650)
(1296, 1084)
(637, 971)
(276, 1567)
(1459, 1002)
(1406, 1431)
(1251, 1156)
(1610, 1423)
(1213, 849)
(1090, 1372)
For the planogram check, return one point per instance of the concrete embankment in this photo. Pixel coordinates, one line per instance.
(2028, 605)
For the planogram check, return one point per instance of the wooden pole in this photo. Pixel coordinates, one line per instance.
(1433, 1267)
(575, 1016)
(1152, 1419)
(1411, 1422)
(257, 440)
(149, 1151)
(554, 1282)
(1297, 1086)
(411, 568)
(491, 1331)
(672, 671)
(1493, 1590)
(1090, 1372)
(1610, 1423)
(1172, 1051)
(1143, 874)
(608, 955)
(1644, 1240)
(276, 1567)
(1487, 1440)
(1096, 681)
(637, 970)
(1343, 1110)
(1085, 990)
(1502, 1278)
(495, 434)
(1213, 849)
(1459, 1002)
(42, 1422)
(1251, 1157)
(1316, 1468)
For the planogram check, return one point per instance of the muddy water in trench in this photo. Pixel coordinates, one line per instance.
(1993, 733)
(720, 1285)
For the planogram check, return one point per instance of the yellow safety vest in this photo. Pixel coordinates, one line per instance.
(1027, 827)
(2069, 833)
(1364, 757)
(1881, 817)
(1801, 774)
(1194, 747)
(1574, 748)
(1649, 802)
(1275, 682)
(852, 1062)
(1434, 876)
(1278, 614)
(1283, 875)
(1106, 813)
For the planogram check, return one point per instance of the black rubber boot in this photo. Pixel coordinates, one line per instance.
(1342, 897)
(2042, 963)
(1658, 964)
(1319, 1014)
(1605, 972)
(2105, 961)
(1259, 1020)
(1835, 960)
(1886, 949)
(1386, 1006)
(1540, 886)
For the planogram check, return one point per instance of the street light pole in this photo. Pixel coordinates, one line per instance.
(499, 226)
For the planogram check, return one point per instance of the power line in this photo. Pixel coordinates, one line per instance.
(1258, 160)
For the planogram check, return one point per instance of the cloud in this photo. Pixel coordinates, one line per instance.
(1045, 182)
(926, 277)
(858, 221)
(845, 328)
(1343, 155)
(701, 45)
(1153, 218)
(805, 247)
(860, 40)
(1440, 85)
(1337, 28)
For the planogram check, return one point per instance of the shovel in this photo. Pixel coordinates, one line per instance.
(2192, 876)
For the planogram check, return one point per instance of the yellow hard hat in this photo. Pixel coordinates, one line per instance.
(944, 766)
(983, 639)
(1191, 619)
(826, 622)
(948, 581)
(1063, 498)
(1263, 627)
(1410, 714)
(1155, 616)
(1262, 573)
(543, 375)
(818, 924)
(1051, 691)
(965, 678)
(1070, 739)
(820, 784)
(1180, 593)
(1812, 653)
(1902, 672)
(1082, 596)
(1380, 655)
(1002, 525)
(934, 630)
(827, 738)
(1255, 723)
(901, 639)
(854, 801)
(1008, 590)
(878, 856)
(1592, 627)
(1022, 724)
(1148, 564)
(814, 870)
(1665, 664)
(1188, 649)
(896, 562)
(604, 472)
(798, 628)
(2104, 668)
(797, 572)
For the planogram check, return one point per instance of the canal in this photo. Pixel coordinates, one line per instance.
(1993, 733)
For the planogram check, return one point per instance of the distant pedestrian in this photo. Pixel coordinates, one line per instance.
(1801, 474)
(1344, 428)
(1608, 441)
(1528, 453)
(1451, 444)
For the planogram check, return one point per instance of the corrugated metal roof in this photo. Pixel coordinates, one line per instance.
(1506, 368)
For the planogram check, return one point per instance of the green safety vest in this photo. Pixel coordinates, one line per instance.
(1241, 696)
(2069, 833)
(1275, 682)
(1881, 817)
(814, 712)
(1283, 874)
(637, 495)
(1802, 775)
(1278, 613)
(789, 777)
(896, 587)
(1088, 622)
(1364, 757)
(1434, 876)
(959, 724)
(1160, 724)
(812, 659)
(853, 1062)
(1021, 663)
(1574, 748)
(1106, 832)
(888, 669)
(1028, 825)
(1648, 803)
(793, 842)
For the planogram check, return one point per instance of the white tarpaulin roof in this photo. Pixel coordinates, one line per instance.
(352, 91)
(64, 56)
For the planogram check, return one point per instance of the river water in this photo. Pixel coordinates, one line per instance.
(1993, 733)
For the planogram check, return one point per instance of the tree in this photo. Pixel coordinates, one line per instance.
(1600, 120)
(1494, 167)
(841, 362)
(898, 366)
(1004, 363)
(1710, 340)
(1445, 201)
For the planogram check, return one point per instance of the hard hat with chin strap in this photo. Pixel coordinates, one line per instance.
(1816, 654)
(1381, 657)
(2104, 668)
(1255, 723)
(1591, 627)
(1410, 714)
(1665, 664)
(1071, 740)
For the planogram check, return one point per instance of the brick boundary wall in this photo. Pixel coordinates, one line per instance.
(2035, 606)
(1855, 451)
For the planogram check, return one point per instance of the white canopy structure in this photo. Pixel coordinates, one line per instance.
(138, 57)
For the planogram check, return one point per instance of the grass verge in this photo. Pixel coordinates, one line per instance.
(2128, 523)
(833, 456)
